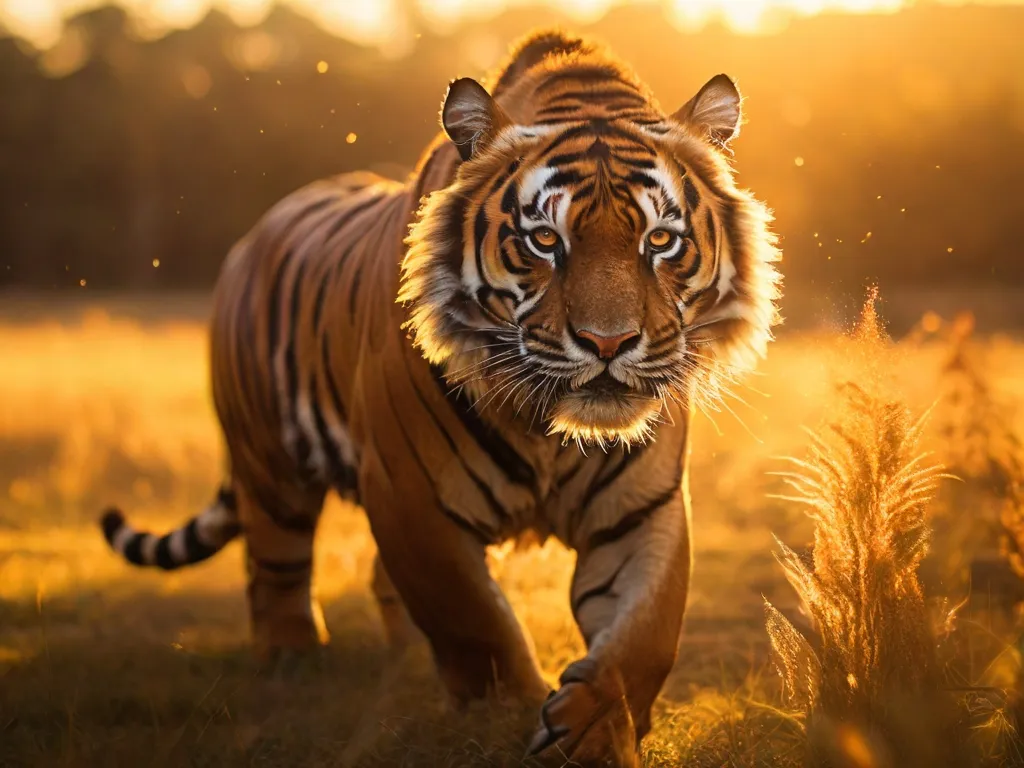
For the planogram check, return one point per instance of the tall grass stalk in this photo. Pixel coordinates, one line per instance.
(868, 678)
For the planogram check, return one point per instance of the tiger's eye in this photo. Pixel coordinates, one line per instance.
(544, 238)
(660, 238)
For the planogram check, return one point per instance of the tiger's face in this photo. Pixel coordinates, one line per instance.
(585, 271)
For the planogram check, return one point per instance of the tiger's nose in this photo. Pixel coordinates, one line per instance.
(607, 347)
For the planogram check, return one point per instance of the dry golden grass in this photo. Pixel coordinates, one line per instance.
(101, 664)
(868, 677)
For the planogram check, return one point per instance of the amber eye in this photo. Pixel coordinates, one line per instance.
(544, 239)
(660, 239)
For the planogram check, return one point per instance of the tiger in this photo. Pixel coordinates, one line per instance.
(512, 341)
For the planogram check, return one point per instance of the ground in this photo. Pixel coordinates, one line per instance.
(102, 664)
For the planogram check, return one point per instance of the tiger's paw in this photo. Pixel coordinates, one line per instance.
(285, 641)
(288, 665)
(587, 721)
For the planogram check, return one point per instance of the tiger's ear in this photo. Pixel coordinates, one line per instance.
(470, 117)
(715, 110)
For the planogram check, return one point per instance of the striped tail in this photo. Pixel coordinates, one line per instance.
(202, 537)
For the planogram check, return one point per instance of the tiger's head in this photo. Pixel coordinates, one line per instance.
(593, 257)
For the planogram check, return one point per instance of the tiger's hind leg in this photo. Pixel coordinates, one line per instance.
(284, 613)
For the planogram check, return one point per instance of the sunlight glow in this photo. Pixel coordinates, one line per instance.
(383, 23)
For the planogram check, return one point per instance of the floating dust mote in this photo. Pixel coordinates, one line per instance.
(868, 676)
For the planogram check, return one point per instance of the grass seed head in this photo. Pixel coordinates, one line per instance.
(872, 659)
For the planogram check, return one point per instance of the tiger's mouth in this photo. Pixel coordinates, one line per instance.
(606, 386)
(605, 410)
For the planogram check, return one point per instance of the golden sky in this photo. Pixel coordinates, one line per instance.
(374, 21)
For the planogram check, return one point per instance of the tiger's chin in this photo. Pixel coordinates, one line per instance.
(604, 419)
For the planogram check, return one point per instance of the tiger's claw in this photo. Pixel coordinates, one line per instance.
(587, 721)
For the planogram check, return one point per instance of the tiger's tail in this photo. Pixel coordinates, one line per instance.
(200, 538)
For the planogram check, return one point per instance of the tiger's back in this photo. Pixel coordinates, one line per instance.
(291, 314)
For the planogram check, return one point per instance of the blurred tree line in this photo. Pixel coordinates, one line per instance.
(890, 146)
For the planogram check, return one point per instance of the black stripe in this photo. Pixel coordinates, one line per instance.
(482, 486)
(244, 350)
(133, 549)
(497, 183)
(572, 472)
(341, 474)
(227, 499)
(353, 288)
(695, 267)
(284, 566)
(484, 537)
(690, 193)
(195, 550)
(583, 74)
(642, 179)
(603, 481)
(563, 138)
(733, 232)
(269, 504)
(659, 349)
(540, 338)
(568, 117)
(302, 447)
(515, 467)
(346, 215)
(642, 161)
(672, 210)
(301, 217)
(482, 533)
(566, 158)
(629, 521)
(542, 354)
(163, 555)
(291, 365)
(632, 107)
(281, 583)
(709, 223)
(510, 202)
(479, 233)
(318, 305)
(594, 97)
(483, 295)
(534, 308)
(275, 309)
(584, 192)
(501, 293)
(560, 113)
(275, 290)
(505, 232)
(562, 178)
(530, 209)
(375, 248)
(683, 249)
(332, 385)
(601, 589)
(346, 478)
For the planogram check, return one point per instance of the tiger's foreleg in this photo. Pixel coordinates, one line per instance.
(399, 628)
(628, 596)
(440, 571)
(284, 613)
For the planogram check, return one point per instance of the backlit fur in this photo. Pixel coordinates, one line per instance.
(497, 316)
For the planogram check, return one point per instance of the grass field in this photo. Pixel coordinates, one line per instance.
(103, 665)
